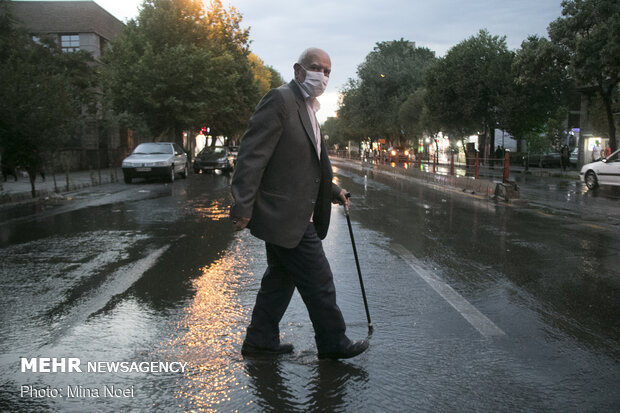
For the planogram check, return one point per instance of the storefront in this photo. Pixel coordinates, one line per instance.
(594, 146)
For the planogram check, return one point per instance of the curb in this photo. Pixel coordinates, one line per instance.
(17, 197)
(464, 183)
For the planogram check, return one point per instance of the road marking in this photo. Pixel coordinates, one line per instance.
(117, 283)
(470, 313)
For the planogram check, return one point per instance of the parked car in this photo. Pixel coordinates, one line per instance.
(155, 160)
(574, 157)
(547, 159)
(602, 172)
(398, 154)
(209, 159)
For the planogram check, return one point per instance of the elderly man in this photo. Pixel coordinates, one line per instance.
(282, 189)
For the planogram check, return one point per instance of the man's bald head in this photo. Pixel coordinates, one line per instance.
(313, 59)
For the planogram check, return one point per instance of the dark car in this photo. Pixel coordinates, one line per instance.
(155, 160)
(549, 159)
(398, 154)
(574, 157)
(210, 159)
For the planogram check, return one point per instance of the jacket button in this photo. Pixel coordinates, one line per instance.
(317, 180)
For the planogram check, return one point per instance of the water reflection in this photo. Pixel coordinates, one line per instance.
(271, 393)
(216, 210)
(212, 332)
(331, 385)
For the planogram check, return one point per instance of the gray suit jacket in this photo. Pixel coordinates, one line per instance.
(279, 181)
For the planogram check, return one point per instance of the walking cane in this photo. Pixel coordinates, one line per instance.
(357, 264)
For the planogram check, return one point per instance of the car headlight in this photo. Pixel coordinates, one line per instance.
(127, 164)
(224, 159)
(160, 163)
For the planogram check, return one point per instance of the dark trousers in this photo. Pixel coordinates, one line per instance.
(304, 267)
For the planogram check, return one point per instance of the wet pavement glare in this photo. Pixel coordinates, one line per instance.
(154, 272)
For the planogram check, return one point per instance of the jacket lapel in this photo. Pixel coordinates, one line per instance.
(302, 110)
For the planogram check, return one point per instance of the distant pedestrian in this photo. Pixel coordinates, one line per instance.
(596, 152)
(499, 154)
(607, 151)
(564, 157)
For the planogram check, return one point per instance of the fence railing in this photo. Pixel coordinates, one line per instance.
(474, 166)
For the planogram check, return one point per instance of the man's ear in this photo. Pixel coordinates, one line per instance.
(300, 73)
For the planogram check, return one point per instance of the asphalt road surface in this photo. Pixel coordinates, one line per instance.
(477, 305)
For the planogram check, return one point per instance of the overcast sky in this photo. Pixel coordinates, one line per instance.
(349, 29)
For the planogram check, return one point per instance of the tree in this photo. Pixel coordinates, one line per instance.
(262, 75)
(44, 92)
(350, 113)
(536, 102)
(332, 127)
(597, 114)
(386, 78)
(465, 89)
(410, 115)
(589, 31)
(179, 65)
(276, 77)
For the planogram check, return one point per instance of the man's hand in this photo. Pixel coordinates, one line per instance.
(240, 223)
(342, 198)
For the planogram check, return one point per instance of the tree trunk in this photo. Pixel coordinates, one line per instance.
(32, 175)
(610, 119)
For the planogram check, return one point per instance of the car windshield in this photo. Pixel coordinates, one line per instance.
(216, 151)
(153, 148)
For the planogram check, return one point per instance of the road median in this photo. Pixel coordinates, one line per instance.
(481, 186)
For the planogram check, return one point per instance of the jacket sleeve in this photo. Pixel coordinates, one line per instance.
(335, 192)
(257, 146)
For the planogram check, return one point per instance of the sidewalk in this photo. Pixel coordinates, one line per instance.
(13, 191)
(570, 173)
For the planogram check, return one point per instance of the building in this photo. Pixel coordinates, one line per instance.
(78, 25)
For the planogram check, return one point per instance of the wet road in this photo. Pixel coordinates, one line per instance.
(477, 306)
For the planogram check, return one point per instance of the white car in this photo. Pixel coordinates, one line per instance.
(603, 172)
(155, 159)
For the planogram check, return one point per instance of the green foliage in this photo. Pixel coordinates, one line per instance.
(465, 89)
(390, 73)
(410, 115)
(588, 32)
(45, 95)
(536, 102)
(333, 128)
(179, 65)
(276, 77)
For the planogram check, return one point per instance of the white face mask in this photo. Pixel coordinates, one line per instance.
(315, 83)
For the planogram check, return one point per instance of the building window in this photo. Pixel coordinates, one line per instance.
(70, 42)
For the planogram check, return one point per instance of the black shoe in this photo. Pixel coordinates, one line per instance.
(250, 350)
(353, 349)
